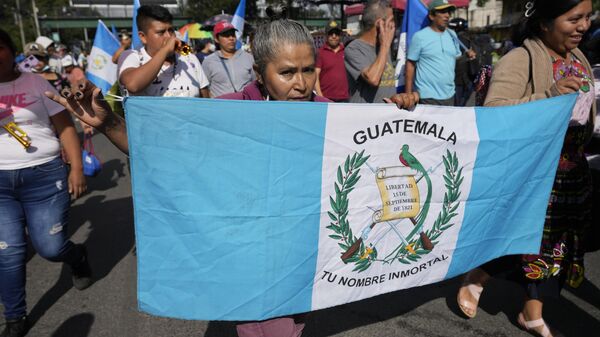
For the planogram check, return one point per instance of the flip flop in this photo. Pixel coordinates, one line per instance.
(465, 305)
(530, 326)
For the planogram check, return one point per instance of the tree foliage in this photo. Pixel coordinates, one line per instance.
(8, 16)
(200, 10)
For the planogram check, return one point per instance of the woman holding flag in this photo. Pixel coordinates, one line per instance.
(548, 64)
(284, 56)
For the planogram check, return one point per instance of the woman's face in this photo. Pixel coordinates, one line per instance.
(291, 76)
(7, 59)
(567, 30)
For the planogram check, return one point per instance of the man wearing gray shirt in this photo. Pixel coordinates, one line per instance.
(371, 74)
(228, 70)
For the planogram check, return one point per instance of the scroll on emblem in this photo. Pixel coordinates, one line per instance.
(399, 193)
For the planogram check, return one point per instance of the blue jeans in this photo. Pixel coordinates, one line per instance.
(37, 198)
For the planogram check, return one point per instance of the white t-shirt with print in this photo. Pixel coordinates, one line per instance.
(184, 78)
(23, 101)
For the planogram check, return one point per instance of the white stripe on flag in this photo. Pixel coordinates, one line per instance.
(429, 132)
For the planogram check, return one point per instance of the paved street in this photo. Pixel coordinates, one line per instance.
(103, 219)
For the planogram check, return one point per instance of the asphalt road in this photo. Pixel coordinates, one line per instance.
(103, 220)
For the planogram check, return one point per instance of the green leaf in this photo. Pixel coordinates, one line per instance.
(459, 182)
(353, 160)
(339, 176)
(337, 189)
(332, 216)
(344, 203)
(344, 247)
(336, 237)
(403, 261)
(347, 164)
(454, 208)
(448, 182)
(446, 164)
(334, 228)
(333, 204)
(454, 160)
(352, 259)
(354, 175)
(362, 161)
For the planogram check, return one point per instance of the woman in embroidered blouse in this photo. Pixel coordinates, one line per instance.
(548, 64)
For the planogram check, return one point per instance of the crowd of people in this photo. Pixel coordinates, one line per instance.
(283, 64)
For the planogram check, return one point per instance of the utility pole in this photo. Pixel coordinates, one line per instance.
(35, 18)
(20, 24)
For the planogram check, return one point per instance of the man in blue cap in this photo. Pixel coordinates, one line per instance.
(431, 57)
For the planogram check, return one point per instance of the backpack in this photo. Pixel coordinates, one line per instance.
(484, 77)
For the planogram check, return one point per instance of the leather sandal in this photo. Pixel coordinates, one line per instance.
(532, 326)
(466, 306)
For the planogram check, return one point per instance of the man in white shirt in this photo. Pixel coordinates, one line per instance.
(157, 70)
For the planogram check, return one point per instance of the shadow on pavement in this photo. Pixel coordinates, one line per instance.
(588, 292)
(106, 179)
(76, 326)
(110, 239)
(502, 299)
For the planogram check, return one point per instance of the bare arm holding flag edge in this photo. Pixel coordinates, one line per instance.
(87, 103)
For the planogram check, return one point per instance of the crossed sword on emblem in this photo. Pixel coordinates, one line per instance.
(427, 244)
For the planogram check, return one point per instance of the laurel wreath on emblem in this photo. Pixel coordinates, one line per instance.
(348, 175)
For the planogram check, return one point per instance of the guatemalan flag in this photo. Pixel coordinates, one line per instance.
(136, 43)
(101, 70)
(238, 22)
(255, 210)
(415, 18)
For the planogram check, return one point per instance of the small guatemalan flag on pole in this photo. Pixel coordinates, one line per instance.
(238, 22)
(264, 209)
(415, 19)
(136, 43)
(101, 70)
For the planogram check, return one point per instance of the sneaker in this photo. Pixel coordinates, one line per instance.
(16, 328)
(82, 273)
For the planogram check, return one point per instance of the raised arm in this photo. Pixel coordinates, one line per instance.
(86, 102)
(139, 78)
(385, 35)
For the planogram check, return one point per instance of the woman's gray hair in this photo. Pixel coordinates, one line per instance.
(270, 36)
(374, 10)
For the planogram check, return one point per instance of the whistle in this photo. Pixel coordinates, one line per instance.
(18, 134)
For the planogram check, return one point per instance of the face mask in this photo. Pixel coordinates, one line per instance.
(212, 47)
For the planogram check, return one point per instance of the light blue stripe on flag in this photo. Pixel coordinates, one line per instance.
(251, 215)
(99, 82)
(505, 216)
